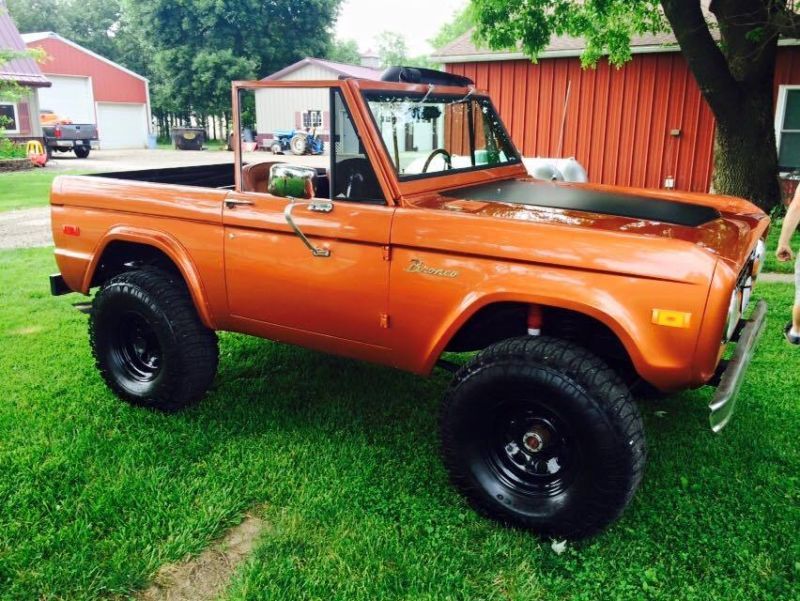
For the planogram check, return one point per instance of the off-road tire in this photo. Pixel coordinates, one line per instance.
(558, 392)
(153, 307)
(82, 152)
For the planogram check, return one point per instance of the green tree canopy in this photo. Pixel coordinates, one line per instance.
(190, 50)
(10, 90)
(344, 51)
(90, 23)
(731, 49)
(198, 47)
(462, 22)
(392, 48)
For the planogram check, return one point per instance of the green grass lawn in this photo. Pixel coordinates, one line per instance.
(96, 495)
(772, 263)
(26, 189)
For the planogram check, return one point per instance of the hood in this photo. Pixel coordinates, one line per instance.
(723, 225)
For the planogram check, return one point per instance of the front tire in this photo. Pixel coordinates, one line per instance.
(148, 342)
(541, 434)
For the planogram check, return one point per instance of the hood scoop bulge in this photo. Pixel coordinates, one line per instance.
(579, 198)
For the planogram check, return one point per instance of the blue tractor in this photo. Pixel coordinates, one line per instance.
(297, 142)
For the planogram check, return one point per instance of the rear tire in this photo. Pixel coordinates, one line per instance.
(541, 434)
(82, 151)
(148, 342)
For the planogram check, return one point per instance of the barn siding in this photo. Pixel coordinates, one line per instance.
(109, 83)
(618, 121)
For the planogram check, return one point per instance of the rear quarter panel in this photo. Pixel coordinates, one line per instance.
(184, 222)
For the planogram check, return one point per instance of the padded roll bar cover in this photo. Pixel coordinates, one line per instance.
(420, 75)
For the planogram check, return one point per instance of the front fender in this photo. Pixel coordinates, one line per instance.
(661, 355)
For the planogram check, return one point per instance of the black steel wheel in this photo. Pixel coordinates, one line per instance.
(135, 350)
(541, 434)
(148, 341)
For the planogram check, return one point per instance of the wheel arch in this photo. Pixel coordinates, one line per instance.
(123, 244)
(472, 309)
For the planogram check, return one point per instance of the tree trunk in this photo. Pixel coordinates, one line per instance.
(736, 79)
(745, 155)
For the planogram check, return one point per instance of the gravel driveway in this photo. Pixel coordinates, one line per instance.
(26, 228)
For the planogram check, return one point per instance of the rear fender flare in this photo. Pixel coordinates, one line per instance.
(167, 244)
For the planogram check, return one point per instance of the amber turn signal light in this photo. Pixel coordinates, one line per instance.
(672, 319)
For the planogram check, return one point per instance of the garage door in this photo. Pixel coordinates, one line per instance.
(68, 97)
(122, 125)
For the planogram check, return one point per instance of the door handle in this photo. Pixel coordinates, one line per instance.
(323, 206)
(233, 202)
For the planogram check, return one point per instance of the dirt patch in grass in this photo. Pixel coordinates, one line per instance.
(206, 576)
(27, 330)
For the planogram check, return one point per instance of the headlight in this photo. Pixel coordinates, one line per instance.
(734, 312)
(759, 256)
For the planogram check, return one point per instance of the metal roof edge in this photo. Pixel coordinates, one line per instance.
(570, 53)
(39, 36)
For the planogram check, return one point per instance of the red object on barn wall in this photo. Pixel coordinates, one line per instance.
(640, 125)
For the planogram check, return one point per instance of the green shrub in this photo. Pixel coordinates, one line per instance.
(10, 149)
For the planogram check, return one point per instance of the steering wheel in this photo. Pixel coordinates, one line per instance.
(448, 159)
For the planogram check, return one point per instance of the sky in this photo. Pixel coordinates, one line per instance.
(417, 20)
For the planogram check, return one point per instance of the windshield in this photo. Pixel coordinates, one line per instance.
(429, 134)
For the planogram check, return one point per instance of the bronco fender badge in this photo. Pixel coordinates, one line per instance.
(418, 266)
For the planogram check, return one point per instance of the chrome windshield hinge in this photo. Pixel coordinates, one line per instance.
(387, 253)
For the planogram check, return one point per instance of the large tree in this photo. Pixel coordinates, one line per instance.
(734, 69)
(91, 23)
(197, 47)
(190, 50)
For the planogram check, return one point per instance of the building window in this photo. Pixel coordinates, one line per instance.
(9, 119)
(312, 119)
(787, 127)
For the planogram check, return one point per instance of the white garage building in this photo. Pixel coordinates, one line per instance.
(89, 88)
(302, 108)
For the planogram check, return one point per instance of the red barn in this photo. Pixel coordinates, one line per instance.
(645, 124)
(88, 88)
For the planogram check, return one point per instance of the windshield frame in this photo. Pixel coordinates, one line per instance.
(515, 159)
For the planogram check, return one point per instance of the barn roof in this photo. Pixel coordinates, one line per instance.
(463, 49)
(23, 71)
(31, 38)
(342, 69)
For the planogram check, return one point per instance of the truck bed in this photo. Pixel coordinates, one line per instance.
(203, 176)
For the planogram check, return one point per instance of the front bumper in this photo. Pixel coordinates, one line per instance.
(730, 381)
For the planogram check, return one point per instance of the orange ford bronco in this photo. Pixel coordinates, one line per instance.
(418, 239)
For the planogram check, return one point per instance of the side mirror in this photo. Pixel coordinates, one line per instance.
(292, 181)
